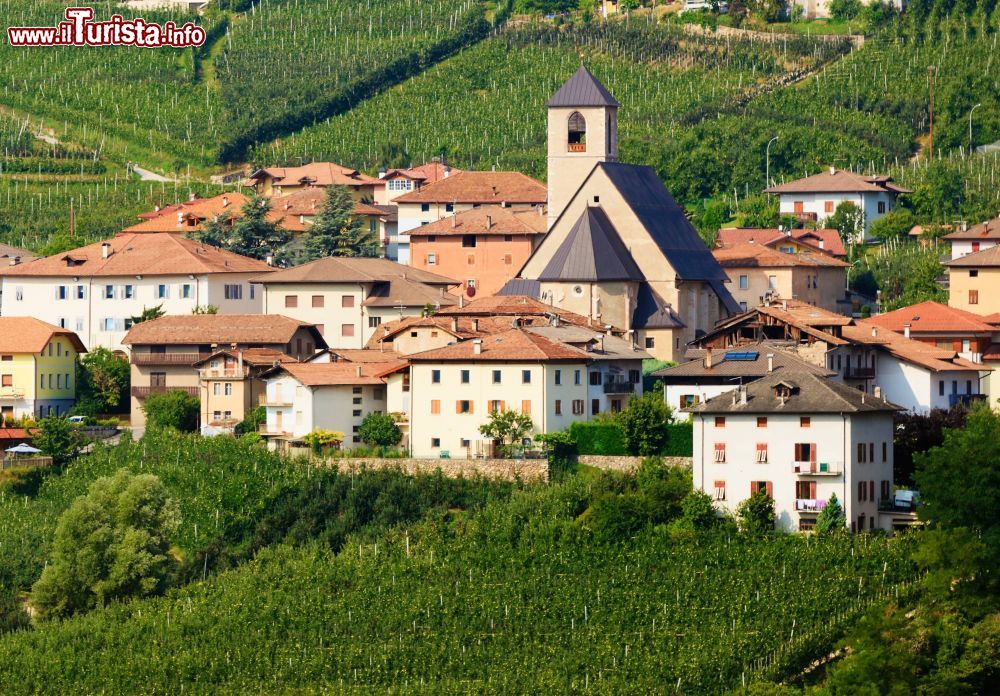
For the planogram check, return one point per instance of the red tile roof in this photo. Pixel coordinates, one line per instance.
(340, 373)
(831, 242)
(30, 335)
(427, 173)
(760, 256)
(514, 345)
(491, 219)
(221, 329)
(933, 317)
(480, 187)
(984, 230)
(986, 258)
(189, 216)
(316, 174)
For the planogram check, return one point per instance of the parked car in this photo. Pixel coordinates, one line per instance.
(77, 419)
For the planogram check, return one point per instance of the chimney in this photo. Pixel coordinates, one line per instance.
(708, 358)
(269, 260)
(461, 300)
(833, 170)
(770, 362)
(784, 305)
(878, 392)
(105, 251)
(743, 395)
(489, 222)
(156, 208)
(447, 172)
(357, 371)
(906, 330)
(180, 218)
(822, 244)
(874, 332)
(477, 346)
(14, 260)
(475, 326)
(381, 173)
(454, 323)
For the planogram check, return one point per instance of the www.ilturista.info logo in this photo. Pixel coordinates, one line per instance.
(79, 30)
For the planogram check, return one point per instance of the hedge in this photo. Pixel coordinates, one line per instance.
(598, 438)
(680, 440)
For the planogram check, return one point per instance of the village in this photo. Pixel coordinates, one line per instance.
(483, 292)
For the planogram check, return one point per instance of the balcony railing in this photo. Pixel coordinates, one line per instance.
(576, 147)
(167, 358)
(618, 386)
(965, 399)
(143, 392)
(810, 505)
(271, 430)
(220, 373)
(818, 468)
(11, 393)
(277, 401)
(859, 373)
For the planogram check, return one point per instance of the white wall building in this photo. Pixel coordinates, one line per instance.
(97, 289)
(973, 239)
(801, 439)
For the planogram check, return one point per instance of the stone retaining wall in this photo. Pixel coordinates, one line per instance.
(506, 469)
(623, 463)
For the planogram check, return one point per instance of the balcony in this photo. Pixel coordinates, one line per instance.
(272, 431)
(220, 373)
(276, 402)
(965, 399)
(576, 147)
(618, 386)
(11, 393)
(167, 358)
(859, 373)
(809, 506)
(143, 392)
(818, 468)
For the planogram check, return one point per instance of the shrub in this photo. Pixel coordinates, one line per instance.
(614, 518)
(174, 409)
(664, 488)
(756, 514)
(59, 439)
(680, 440)
(698, 510)
(831, 518)
(251, 422)
(380, 431)
(644, 422)
(598, 438)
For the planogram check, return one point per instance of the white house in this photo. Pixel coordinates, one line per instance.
(97, 289)
(969, 240)
(801, 439)
(816, 197)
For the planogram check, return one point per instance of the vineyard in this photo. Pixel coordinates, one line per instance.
(510, 597)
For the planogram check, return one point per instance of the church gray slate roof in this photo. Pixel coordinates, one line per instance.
(592, 252)
(583, 89)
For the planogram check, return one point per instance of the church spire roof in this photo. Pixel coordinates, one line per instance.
(592, 252)
(583, 89)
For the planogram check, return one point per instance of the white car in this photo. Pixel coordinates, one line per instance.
(77, 419)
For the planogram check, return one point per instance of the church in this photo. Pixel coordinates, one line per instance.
(619, 248)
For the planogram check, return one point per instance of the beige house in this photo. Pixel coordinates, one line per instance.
(167, 353)
(756, 271)
(399, 182)
(974, 281)
(231, 386)
(278, 181)
(347, 299)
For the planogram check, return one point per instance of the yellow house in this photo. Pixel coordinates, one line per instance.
(974, 281)
(231, 385)
(37, 368)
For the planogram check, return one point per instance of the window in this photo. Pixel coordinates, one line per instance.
(6, 358)
(805, 452)
(526, 406)
(216, 415)
(804, 421)
(347, 329)
(81, 292)
(881, 207)
(720, 421)
(595, 407)
(7, 381)
(496, 376)
(634, 376)
(318, 301)
(435, 407)
(762, 452)
(558, 407)
(974, 273)
(941, 388)
(425, 207)
(762, 487)
(61, 322)
(798, 207)
(861, 453)
(576, 136)
(558, 377)
(827, 206)
(61, 292)
(595, 379)
(463, 406)
(650, 342)
(761, 421)
(743, 306)
(356, 413)
(431, 259)
(347, 301)
(805, 490)
(229, 389)
(431, 238)
(576, 377)
(884, 489)
(216, 389)
(465, 376)
(862, 491)
(435, 442)
(871, 490)
(162, 291)
(464, 442)
(356, 400)
(772, 282)
(688, 400)
(356, 390)
(291, 301)
(744, 282)
(449, 207)
(186, 291)
(234, 291)
(871, 452)
(973, 297)
(436, 376)
(720, 452)
(525, 376)
(496, 406)
(19, 293)
(577, 407)
(469, 241)
(720, 490)
(129, 292)
(508, 238)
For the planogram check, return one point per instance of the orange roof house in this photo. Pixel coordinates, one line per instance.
(190, 216)
(271, 181)
(797, 241)
(480, 188)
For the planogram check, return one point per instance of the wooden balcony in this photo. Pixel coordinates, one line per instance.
(143, 392)
(272, 431)
(167, 358)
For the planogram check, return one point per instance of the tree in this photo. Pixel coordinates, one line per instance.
(173, 409)
(215, 233)
(664, 487)
(759, 210)
(58, 438)
(320, 439)
(831, 518)
(894, 225)
(336, 230)
(149, 313)
(253, 234)
(251, 422)
(849, 220)
(110, 544)
(102, 379)
(508, 428)
(206, 309)
(380, 430)
(844, 10)
(627, 5)
(698, 510)
(756, 514)
(645, 421)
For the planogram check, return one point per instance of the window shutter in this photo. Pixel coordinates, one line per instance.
(812, 452)
(753, 487)
(471, 406)
(526, 406)
(798, 452)
(503, 407)
(871, 490)
(770, 489)
(812, 490)
(458, 407)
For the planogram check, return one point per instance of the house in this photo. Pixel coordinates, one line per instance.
(820, 9)
(96, 290)
(459, 192)
(295, 212)
(801, 439)
(401, 181)
(619, 250)
(190, 216)
(37, 368)
(230, 385)
(277, 181)
(305, 397)
(709, 372)
(797, 241)
(171, 352)
(916, 376)
(756, 271)
(973, 281)
(483, 247)
(349, 298)
(454, 389)
(969, 240)
(12, 256)
(816, 197)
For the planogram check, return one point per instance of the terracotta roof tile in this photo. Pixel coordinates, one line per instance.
(404, 292)
(492, 219)
(760, 256)
(341, 269)
(932, 317)
(987, 257)
(480, 187)
(30, 335)
(365, 355)
(984, 230)
(427, 173)
(724, 368)
(177, 218)
(251, 356)
(314, 374)
(221, 329)
(316, 174)
(831, 242)
(922, 354)
(838, 181)
(514, 345)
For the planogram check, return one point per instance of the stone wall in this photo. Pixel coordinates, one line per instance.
(624, 463)
(506, 469)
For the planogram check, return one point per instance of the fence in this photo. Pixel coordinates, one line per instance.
(24, 463)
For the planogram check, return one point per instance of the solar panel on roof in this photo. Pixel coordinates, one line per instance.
(742, 355)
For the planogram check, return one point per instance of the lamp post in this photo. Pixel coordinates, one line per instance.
(767, 162)
(970, 125)
(930, 75)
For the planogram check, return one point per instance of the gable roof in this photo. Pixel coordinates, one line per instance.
(255, 357)
(30, 335)
(174, 218)
(723, 368)
(990, 229)
(986, 257)
(488, 219)
(810, 394)
(332, 374)
(582, 89)
(316, 174)
(918, 353)
(754, 255)
(403, 292)
(9, 252)
(652, 312)
(344, 269)
(520, 307)
(592, 252)
(142, 254)
(933, 317)
(598, 346)
(220, 329)
(428, 173)
(480, 187)
(826, 241)
(513, 345)
(835, 180)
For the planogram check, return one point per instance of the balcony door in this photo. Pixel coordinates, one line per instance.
(157, 379)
